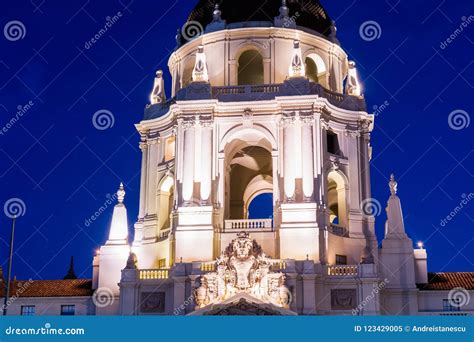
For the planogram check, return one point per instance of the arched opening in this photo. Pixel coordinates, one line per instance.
(187, 74)
(337, 199)
(165, 202)
(261, 207)
(248, 178)
(250, 70)
(316, 69)
(311, 70)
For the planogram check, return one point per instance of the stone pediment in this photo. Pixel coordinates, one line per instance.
(242, 304)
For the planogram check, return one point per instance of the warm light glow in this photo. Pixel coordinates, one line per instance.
(420, 245)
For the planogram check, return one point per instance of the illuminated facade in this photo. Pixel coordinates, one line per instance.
(260, 107)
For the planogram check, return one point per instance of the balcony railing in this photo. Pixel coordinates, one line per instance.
(343, 270)
(159, 273)
(255, 224)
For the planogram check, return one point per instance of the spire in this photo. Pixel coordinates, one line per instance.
(297, 68)
(353, 85)
(118, 234)
(395, 227)
(70, 273)
(158, 93)
(200, 73)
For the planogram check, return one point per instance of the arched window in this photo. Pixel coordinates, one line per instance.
(337, 194)
(311, 70)
(165, 202)
(250, 68)
(316, 70)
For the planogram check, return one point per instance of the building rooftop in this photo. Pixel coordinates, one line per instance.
(50, 288)
(448, 281)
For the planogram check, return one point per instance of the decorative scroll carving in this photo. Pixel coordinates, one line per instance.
(243, 267)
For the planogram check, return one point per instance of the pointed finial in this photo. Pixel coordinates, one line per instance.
(284, 11)
(216, 15)
(178, 37)
(120, 193)
(70, 273)
(393, 185)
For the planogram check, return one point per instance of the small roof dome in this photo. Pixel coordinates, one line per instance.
(308, 14)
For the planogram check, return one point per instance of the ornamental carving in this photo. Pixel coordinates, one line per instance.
(243, 268)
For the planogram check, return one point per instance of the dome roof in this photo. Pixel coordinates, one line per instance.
(308, 14)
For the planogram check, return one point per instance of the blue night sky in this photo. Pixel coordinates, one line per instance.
(64, 169)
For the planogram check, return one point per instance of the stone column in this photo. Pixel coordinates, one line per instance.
(152, 177)
(143, 180)
(288, 159)
(206, 162)
(188, 163)
(307, 161)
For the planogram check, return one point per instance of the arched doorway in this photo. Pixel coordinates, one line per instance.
(250, 70)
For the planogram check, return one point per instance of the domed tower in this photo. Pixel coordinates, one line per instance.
(263, 101)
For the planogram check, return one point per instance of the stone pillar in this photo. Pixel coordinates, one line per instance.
(307, 161)
(206, 162)
(188, 163)
(143, 180)
(288, 160)
(152, 164)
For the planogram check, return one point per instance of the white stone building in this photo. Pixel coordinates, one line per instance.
(260, 106)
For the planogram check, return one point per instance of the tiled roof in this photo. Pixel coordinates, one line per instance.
(448, 281)
(51, 288)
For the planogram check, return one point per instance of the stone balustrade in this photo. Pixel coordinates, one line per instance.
(343, 270)
(254, 224)
(152, 274)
